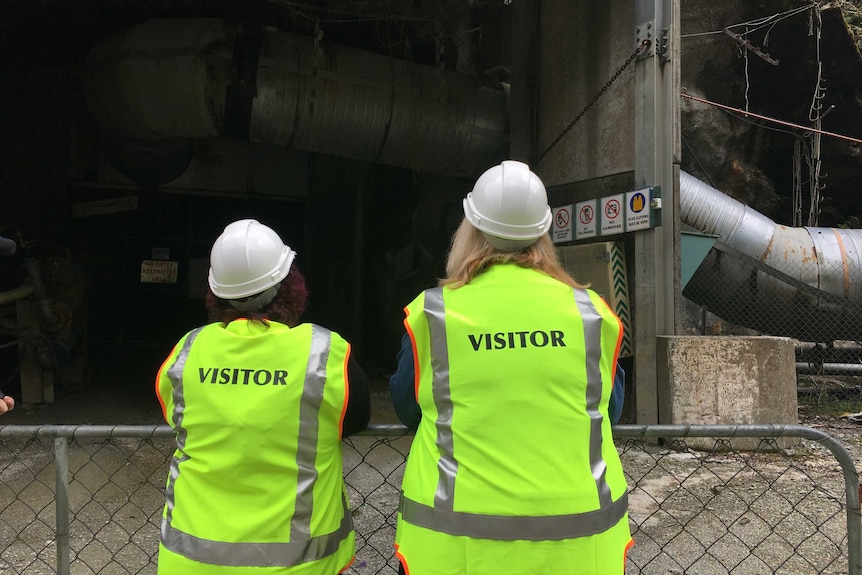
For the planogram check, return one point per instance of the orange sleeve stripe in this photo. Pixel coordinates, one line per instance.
(346, 394)
(415, 354)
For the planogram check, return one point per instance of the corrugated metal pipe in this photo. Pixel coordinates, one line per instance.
(804, 283)
(198, 78)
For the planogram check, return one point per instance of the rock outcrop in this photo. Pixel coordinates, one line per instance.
(779, 60)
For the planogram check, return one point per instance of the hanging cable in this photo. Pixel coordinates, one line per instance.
(798, 152)
(697, 160)
(815, 25)
(768, 119)
(747, 79)
(755, 24)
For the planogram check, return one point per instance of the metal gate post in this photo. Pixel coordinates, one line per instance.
(657, 156)
(61, 471)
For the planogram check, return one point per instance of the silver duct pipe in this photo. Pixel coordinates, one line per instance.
(198, 78)
(804, 283)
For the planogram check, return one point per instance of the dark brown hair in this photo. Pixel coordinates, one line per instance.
(286, 307)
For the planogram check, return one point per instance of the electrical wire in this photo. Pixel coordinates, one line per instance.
(771, 20)
(774, 120)
(697, 160)
(747, 78)
(742, 117)
(757, 24)
(813, 158)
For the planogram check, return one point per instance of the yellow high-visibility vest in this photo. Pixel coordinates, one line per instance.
(255, 485)
(513, 469)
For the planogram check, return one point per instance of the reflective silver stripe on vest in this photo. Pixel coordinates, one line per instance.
(593, 322)
(175, 374)
(258, 554)
(442, 516)
(447, 466)
(508, 528)
(302, 548)
(309, 427)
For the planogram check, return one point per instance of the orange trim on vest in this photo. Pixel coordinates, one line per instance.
(415, 354)
(626, 553)
(349, 563)
(171, 356)
(346, 394)
(619, 338)
(401, 560)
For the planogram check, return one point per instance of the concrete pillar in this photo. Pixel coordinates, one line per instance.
(708, 380)
(657, 157)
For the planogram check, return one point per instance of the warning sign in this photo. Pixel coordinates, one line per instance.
(586, 223)
(159, 272)
(561, 224)
(638, 210)
(612, 215)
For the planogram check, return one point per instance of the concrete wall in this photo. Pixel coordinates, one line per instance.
(725, 381)
(591, 41)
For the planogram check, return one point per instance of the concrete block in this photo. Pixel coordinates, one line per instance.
(726, 381)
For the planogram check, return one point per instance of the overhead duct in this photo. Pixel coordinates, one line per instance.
(804, 283)
(198, 78)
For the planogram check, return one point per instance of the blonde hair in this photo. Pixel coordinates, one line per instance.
(471, 254)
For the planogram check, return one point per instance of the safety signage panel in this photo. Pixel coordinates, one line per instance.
(585, 226)
(561, 224)
(159, 272)
(621, 213)
(638, 210)
(612, 215)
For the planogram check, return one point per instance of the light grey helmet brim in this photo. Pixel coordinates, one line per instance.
(507, 245)
(257, 301)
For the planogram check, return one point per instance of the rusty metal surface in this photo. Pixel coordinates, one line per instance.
(798, 282)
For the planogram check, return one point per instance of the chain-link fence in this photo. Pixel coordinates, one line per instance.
(814, 298)
(88, 499)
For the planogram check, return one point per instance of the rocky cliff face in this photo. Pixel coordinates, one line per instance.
(790, 61)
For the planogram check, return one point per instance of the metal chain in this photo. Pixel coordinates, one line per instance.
(643, 46)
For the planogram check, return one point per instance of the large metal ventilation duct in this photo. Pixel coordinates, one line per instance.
(804, 283)
(197, 78)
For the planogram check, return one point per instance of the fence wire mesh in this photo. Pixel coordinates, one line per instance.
(812, 298)
(88, 499)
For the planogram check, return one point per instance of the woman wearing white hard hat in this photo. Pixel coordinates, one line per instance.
(260, 403)
(507, 375)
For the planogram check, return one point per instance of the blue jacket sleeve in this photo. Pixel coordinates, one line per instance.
(615, 405)
(402, 389)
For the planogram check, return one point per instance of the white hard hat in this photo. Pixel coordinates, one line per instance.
(509, 205)
(247, 259)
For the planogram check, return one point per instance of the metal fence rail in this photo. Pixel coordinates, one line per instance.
(88, 499)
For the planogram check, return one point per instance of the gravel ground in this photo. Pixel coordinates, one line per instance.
(694, 511)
